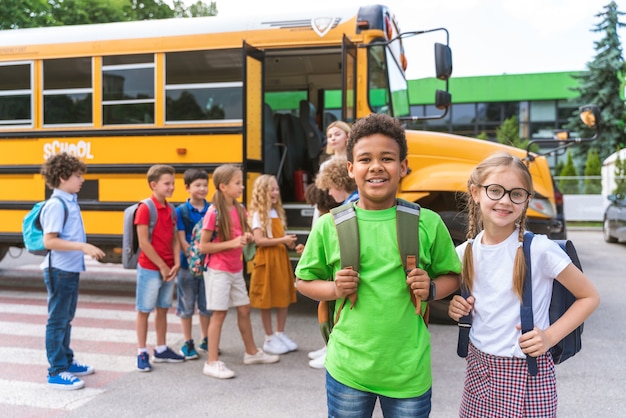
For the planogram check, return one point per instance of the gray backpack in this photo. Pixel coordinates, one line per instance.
(130, 242)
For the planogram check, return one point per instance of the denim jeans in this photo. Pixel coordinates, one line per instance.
(344, 401)
(190, 292)
(62, 289)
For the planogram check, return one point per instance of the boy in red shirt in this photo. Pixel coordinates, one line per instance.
(157, 267)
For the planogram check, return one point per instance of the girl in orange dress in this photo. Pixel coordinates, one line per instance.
(272, 281)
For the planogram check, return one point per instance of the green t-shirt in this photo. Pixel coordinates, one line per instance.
(381, 345)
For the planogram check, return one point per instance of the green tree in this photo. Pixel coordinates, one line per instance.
(37, 13)
(600, 85)
(24, 14)
(593, 168)
(568, 184)
(508, 134)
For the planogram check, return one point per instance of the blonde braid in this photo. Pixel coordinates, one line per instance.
(519, 265)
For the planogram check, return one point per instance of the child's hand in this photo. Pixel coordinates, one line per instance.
(290, 241)
(249, 238)
(346, 282)
(172, 274)
(299, 248)
(459, 306)
(93, 251)
(534, 343)
(419, 283)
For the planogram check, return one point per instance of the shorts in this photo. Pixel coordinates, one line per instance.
(191, 293)
(225, 290)
(151, 291)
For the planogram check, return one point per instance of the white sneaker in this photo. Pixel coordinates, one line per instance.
(288, 342)
(317, 353)
(274, 345)
(318, 363)
(260, 358)
(218, 370)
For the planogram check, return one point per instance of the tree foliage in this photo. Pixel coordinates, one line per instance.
(508, 134)
(600, 85)
(568, 184)
(37, 13)
(593, 169)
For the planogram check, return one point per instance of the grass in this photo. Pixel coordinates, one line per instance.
(585, 223)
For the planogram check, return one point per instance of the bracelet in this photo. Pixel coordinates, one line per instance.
(432, 294)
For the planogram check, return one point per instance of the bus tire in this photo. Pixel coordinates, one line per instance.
(4, 249)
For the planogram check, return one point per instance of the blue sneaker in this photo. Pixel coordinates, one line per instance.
(168, 356)
(143, 362)
(189, 351)
(78, 369)
(65, 381)
(204, 345)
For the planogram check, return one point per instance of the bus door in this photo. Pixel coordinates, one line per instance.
(348, 97)
(256, 151)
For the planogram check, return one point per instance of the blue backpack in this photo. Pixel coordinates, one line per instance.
(32, 233)
(561, 300)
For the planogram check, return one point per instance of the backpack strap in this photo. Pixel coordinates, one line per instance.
(347, 234)
(407, 227)
(186, 217)
(153, 215)
(526, 308)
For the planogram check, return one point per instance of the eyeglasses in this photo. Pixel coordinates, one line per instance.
(497, 192)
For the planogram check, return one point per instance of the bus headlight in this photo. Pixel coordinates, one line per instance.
(543, 206)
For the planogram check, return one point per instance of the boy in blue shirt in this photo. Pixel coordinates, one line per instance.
(64, 237)
(191, 289)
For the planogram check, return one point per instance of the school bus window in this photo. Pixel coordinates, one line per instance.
(128, 90)
(203, 86)
(398, 86)
(16, 94)
(68, 92)
(378, 91)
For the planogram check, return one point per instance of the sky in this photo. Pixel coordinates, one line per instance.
(487, 37)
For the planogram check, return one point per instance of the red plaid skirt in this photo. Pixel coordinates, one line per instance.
(501, 387)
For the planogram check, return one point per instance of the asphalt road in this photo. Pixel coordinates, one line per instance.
(591, 384)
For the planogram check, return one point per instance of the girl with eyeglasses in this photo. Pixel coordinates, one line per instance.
(497, 382)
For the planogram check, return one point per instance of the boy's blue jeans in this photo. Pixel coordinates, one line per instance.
(62, 299)
(344, 402)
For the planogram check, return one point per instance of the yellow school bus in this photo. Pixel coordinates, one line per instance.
(256, 91)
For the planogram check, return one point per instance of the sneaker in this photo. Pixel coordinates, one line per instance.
(218, 370)
(65, 381)
(317, 353)
(288, 342)
(274, 345)
(143, 362)
(168, 356)
(204, 345)
(318, 363)
(78, 369)
(260, 358)
(189, 351)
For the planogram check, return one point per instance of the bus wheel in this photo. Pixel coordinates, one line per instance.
(4, 249)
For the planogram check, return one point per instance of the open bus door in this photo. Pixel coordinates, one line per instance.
(253, 141)
(348, 87)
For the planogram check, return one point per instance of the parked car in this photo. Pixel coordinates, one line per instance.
(614, 225)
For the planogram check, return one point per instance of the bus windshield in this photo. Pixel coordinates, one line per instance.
(388, 89)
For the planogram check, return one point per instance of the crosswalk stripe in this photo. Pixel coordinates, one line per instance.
(82, 333)
(40, 396)
(38, 357)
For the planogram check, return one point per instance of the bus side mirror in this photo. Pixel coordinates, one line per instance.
(443, 61)
(443, 99)
(590, 115)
